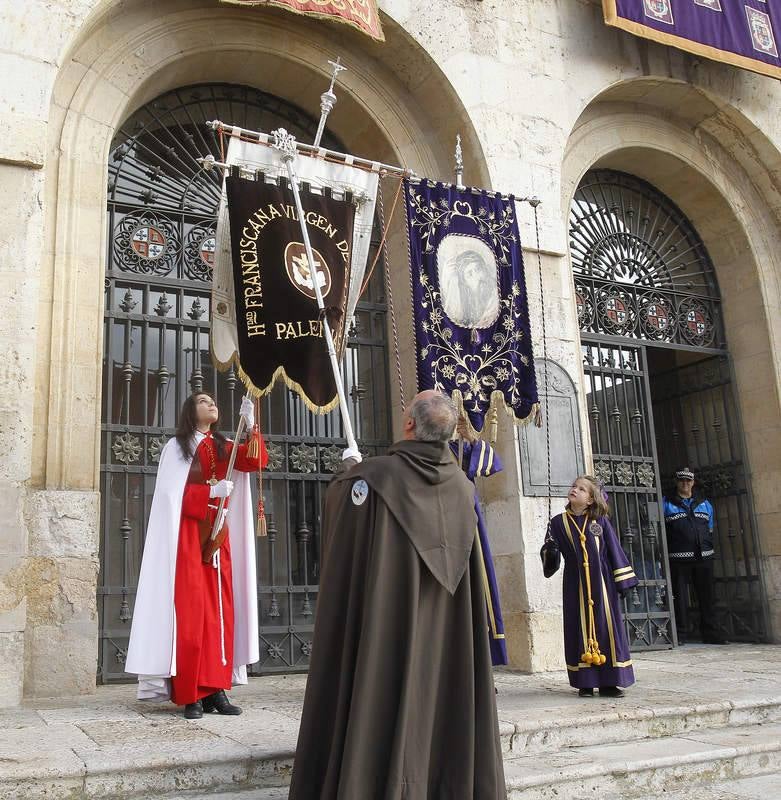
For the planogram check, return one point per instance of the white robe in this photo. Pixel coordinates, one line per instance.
(152, 650)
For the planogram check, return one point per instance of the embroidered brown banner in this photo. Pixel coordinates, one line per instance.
(361, 14)
(280, 330)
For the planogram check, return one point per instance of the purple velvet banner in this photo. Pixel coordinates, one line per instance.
(744, 33)
(469, 300)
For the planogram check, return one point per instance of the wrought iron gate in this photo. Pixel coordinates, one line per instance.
(695, 406)
(623, 445)
(645, 287)
(161, 217)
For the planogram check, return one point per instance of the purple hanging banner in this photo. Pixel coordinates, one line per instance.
(744, 33)
(469, 298)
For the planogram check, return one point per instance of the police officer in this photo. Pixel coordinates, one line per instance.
(688, 519)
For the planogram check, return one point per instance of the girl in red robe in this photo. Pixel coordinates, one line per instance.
(184, 632)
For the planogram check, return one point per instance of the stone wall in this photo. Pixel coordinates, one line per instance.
(540, 90)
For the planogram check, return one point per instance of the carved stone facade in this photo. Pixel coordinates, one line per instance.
(540, 92)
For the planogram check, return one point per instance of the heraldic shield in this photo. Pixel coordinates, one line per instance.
(279, 326)
(471, 312)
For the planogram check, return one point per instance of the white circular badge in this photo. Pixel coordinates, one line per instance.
(360, 492)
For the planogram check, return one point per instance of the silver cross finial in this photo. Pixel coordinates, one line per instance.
(459, 163)
(337, 67)
(328, 100)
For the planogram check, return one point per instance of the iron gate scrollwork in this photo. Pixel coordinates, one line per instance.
(623, 446)
(161, 225)
(640, 268)
(646, 293)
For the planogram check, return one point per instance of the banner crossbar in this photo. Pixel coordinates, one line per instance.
(305, 149)
(267, 139)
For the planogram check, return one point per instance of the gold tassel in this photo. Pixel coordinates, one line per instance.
(262, 527)
(493, 429)
(253, 446)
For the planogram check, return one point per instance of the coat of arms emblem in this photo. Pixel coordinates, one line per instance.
(660, 10)
(761, 32)
(148, 242)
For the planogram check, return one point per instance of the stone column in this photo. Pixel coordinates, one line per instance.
(21, 223)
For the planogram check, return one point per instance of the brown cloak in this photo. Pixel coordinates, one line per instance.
(400, 701)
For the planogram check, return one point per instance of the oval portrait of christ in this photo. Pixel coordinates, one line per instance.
(468, 281)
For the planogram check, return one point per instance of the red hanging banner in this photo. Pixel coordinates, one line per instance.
(361, 14)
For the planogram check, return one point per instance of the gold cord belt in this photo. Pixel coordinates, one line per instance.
(593, 654)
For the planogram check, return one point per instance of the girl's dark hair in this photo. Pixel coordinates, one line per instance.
(188, 424)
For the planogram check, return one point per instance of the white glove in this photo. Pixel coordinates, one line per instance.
(247, 412)
(352, 452)
(221, 489)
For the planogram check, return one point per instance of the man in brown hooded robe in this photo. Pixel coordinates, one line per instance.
(400, 701)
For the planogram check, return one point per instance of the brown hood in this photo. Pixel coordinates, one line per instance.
(432, 501)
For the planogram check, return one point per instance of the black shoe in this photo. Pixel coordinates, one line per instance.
(193, 710)
(219, 702)
(610, 691)
(585, 692)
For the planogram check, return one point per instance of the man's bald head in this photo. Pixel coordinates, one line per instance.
(431, 417)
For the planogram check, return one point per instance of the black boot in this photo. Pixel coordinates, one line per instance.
(585, 692)
(219, 702)
(610, 691)
(193, 710)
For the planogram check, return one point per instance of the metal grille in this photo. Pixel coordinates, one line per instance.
(161, 218)
(640, 268)
(695, 407)
(643, 273)
(622, 438)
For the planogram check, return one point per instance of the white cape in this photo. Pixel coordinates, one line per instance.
(152, 652)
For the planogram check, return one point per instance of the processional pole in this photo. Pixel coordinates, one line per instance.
(285, 143)
(218, 519)
(328, 100)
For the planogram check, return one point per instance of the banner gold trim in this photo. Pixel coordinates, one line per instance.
(610, 12)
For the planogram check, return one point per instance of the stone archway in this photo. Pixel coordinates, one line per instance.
(721, 175)
(124, 55)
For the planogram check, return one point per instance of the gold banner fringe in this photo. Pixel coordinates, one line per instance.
(612, 18)
(491, 417)
(254, 391)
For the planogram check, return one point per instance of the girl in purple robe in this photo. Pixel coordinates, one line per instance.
(596, 569)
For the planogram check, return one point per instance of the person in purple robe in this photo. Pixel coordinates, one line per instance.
(596, 571)
(479, 460)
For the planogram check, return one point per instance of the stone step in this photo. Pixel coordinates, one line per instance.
(122, 760)
(644, 769)
(762, 787)
(619, 722)
(742, 763)
(219, 794)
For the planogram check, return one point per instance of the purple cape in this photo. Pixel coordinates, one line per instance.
(481, 460)
(610, 572)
